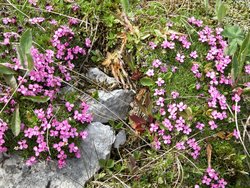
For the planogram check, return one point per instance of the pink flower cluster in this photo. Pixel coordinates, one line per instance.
(190, 144)
(3, 129)
(211, 72)
(195, 70)
(195, 22)
(36, 20)
(211, 178)
(50, 136)
(45, 81)
(9, 20)
(62, 131)
(64, 51)
(7, 37)
(247, 69)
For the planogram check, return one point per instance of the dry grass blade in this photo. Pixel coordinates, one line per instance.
(115, 63)
(209, 155)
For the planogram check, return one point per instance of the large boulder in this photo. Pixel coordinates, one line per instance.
(14, 173)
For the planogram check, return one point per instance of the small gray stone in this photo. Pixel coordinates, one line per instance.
(98, 76)
(112, 105)
(67, 90)
(120, 139)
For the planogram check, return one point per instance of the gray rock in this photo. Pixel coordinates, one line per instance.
(14, 173)
(96, 146)
(98, 76)
(112, 105)
(67, 90)
(120, 139)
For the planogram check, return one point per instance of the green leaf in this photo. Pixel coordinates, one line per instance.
(217, 5)
(23, 51)
(145, 36)
(222, 11)
(11, 81)
(158, 33)
(125, 5)
(168, 75)
(16, 122)
(160, 180)
(233, 32)
(38, 99)
(110, 163)
(26, 41)
(20, 56)
(243, 53)
(6, 70)
(30, 61)
(206, 4)
(234, 68)
(232, 47)
(245, 44)
(146, 81)
(106, 164)
(189, 111)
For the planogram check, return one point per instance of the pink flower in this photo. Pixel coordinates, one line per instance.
(153, 127)
(36, 20)
(83, 134)
(152, 45)
(162, 111)
(180, 58)
(160, 102)
(69, 106)
(40, 114)
(191, 20)
(53, 22)
(236, 134)
(49, 8)
(31, 161)
(197, 86)
(159, 92)
(22, 144)
(75, 7)
(167, 44)
(247, 69)
(163, 69)
(175, 94)
(193, 54)
(88, 42)
(200, 126)
(150, 73)
(169, 24)
(157, 143)
(236, 108)
(33, 2)
(206, 180)
(156, 63)
(181, 106)
(174, 68)
(212, 124)
(160, 82)
(74, 21)
(180, 146)
(222, 183)
(212, 174)
(167, 124)
(236, 97)
(167, 139)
